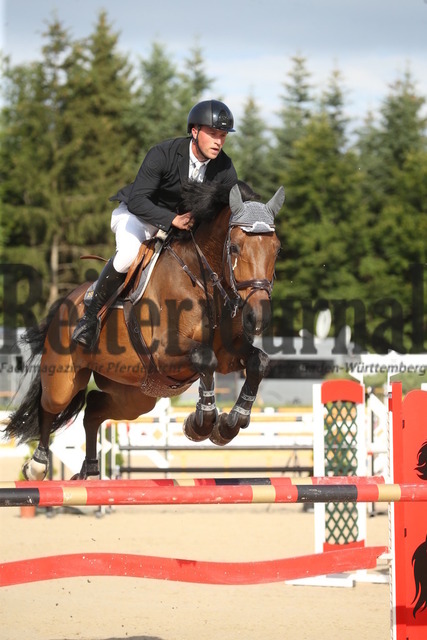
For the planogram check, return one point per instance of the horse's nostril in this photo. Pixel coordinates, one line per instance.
(250, 322)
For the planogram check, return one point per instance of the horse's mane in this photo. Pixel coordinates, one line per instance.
(207, 199)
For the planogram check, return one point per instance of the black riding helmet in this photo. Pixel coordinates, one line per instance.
(211, 113)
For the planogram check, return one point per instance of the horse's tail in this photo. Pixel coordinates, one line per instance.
(419, 563)
(421, 467)
(24, 424)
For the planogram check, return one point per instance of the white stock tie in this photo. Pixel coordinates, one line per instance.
(196, 175)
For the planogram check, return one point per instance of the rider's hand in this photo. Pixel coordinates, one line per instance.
(184, 221)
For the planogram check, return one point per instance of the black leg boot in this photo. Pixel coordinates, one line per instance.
(87, 331)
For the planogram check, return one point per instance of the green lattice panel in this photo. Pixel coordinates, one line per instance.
(341, 519)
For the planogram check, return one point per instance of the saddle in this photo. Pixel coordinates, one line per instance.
(137, 277)
(128, 294)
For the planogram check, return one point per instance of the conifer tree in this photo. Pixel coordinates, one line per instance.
(99, 103)
(157, 100)
(393, 155)
(323, 213)
(34, 161)
(249, 147)
(295, 113)
(332, 104)
(193, 84)
(64, 149)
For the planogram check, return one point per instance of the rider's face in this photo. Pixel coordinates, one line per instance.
(210, 142)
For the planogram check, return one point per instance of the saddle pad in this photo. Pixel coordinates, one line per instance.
(139, 289)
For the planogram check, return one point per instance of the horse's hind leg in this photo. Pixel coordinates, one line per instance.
(37, 467)
(114, 402)
(56, 406)
(198, 425)
(57, 391)
(60, 401)
(229, 424)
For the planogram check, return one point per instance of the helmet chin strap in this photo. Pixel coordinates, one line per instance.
(196, 142)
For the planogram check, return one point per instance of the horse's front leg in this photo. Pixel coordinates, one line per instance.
(198, 425)
(229, 424)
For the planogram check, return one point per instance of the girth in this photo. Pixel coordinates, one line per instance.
(154, 382)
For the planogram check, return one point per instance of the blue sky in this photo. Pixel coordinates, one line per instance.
(248, 44)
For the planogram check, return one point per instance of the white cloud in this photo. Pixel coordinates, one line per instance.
(365, 79)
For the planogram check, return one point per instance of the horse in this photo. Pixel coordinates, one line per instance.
(207, 298)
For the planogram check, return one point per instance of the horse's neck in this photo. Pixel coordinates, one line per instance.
(211, 238)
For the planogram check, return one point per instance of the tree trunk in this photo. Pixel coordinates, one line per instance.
(54, 271)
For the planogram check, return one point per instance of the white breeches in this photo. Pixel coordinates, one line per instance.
(130, 233)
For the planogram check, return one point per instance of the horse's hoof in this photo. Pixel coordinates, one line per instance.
(89, 469)
(78, 476)
(193, 431)
(222, 433)
(36, 468)
(34, 471)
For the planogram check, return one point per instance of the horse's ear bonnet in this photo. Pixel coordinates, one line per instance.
(255, 217)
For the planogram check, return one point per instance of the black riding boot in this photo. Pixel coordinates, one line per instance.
(87, 331)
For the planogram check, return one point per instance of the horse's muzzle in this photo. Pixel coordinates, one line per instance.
(256, 313)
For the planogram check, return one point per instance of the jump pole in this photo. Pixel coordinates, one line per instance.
(54, 493)
(406, 495)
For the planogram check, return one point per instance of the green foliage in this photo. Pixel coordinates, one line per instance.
(75, 127)
(165, 96)
(249, 148)
(295, 113)
(393, 158)
(322, 215)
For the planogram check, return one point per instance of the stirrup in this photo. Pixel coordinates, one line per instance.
(87, 333)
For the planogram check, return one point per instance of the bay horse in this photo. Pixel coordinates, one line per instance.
(208, 296)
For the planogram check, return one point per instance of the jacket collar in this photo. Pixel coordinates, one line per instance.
(184, 160)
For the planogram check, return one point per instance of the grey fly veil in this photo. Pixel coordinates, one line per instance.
(255, 217)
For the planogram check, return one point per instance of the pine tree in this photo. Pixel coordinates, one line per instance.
(99, 105)
(295, 113)
(157, 99)
(193, 83)
(332, 104)
(64, 149)
(323, 214)
(249, 149)
(165, 96)
(393, 157)
(33, 160)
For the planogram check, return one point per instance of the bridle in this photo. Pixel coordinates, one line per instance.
(235, 302)
(256, 284)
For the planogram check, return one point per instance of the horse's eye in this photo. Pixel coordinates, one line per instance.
(234, 248)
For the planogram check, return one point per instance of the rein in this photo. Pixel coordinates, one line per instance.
(215, 280)
(237, 302)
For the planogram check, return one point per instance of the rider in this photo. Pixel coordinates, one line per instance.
(152, 201)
